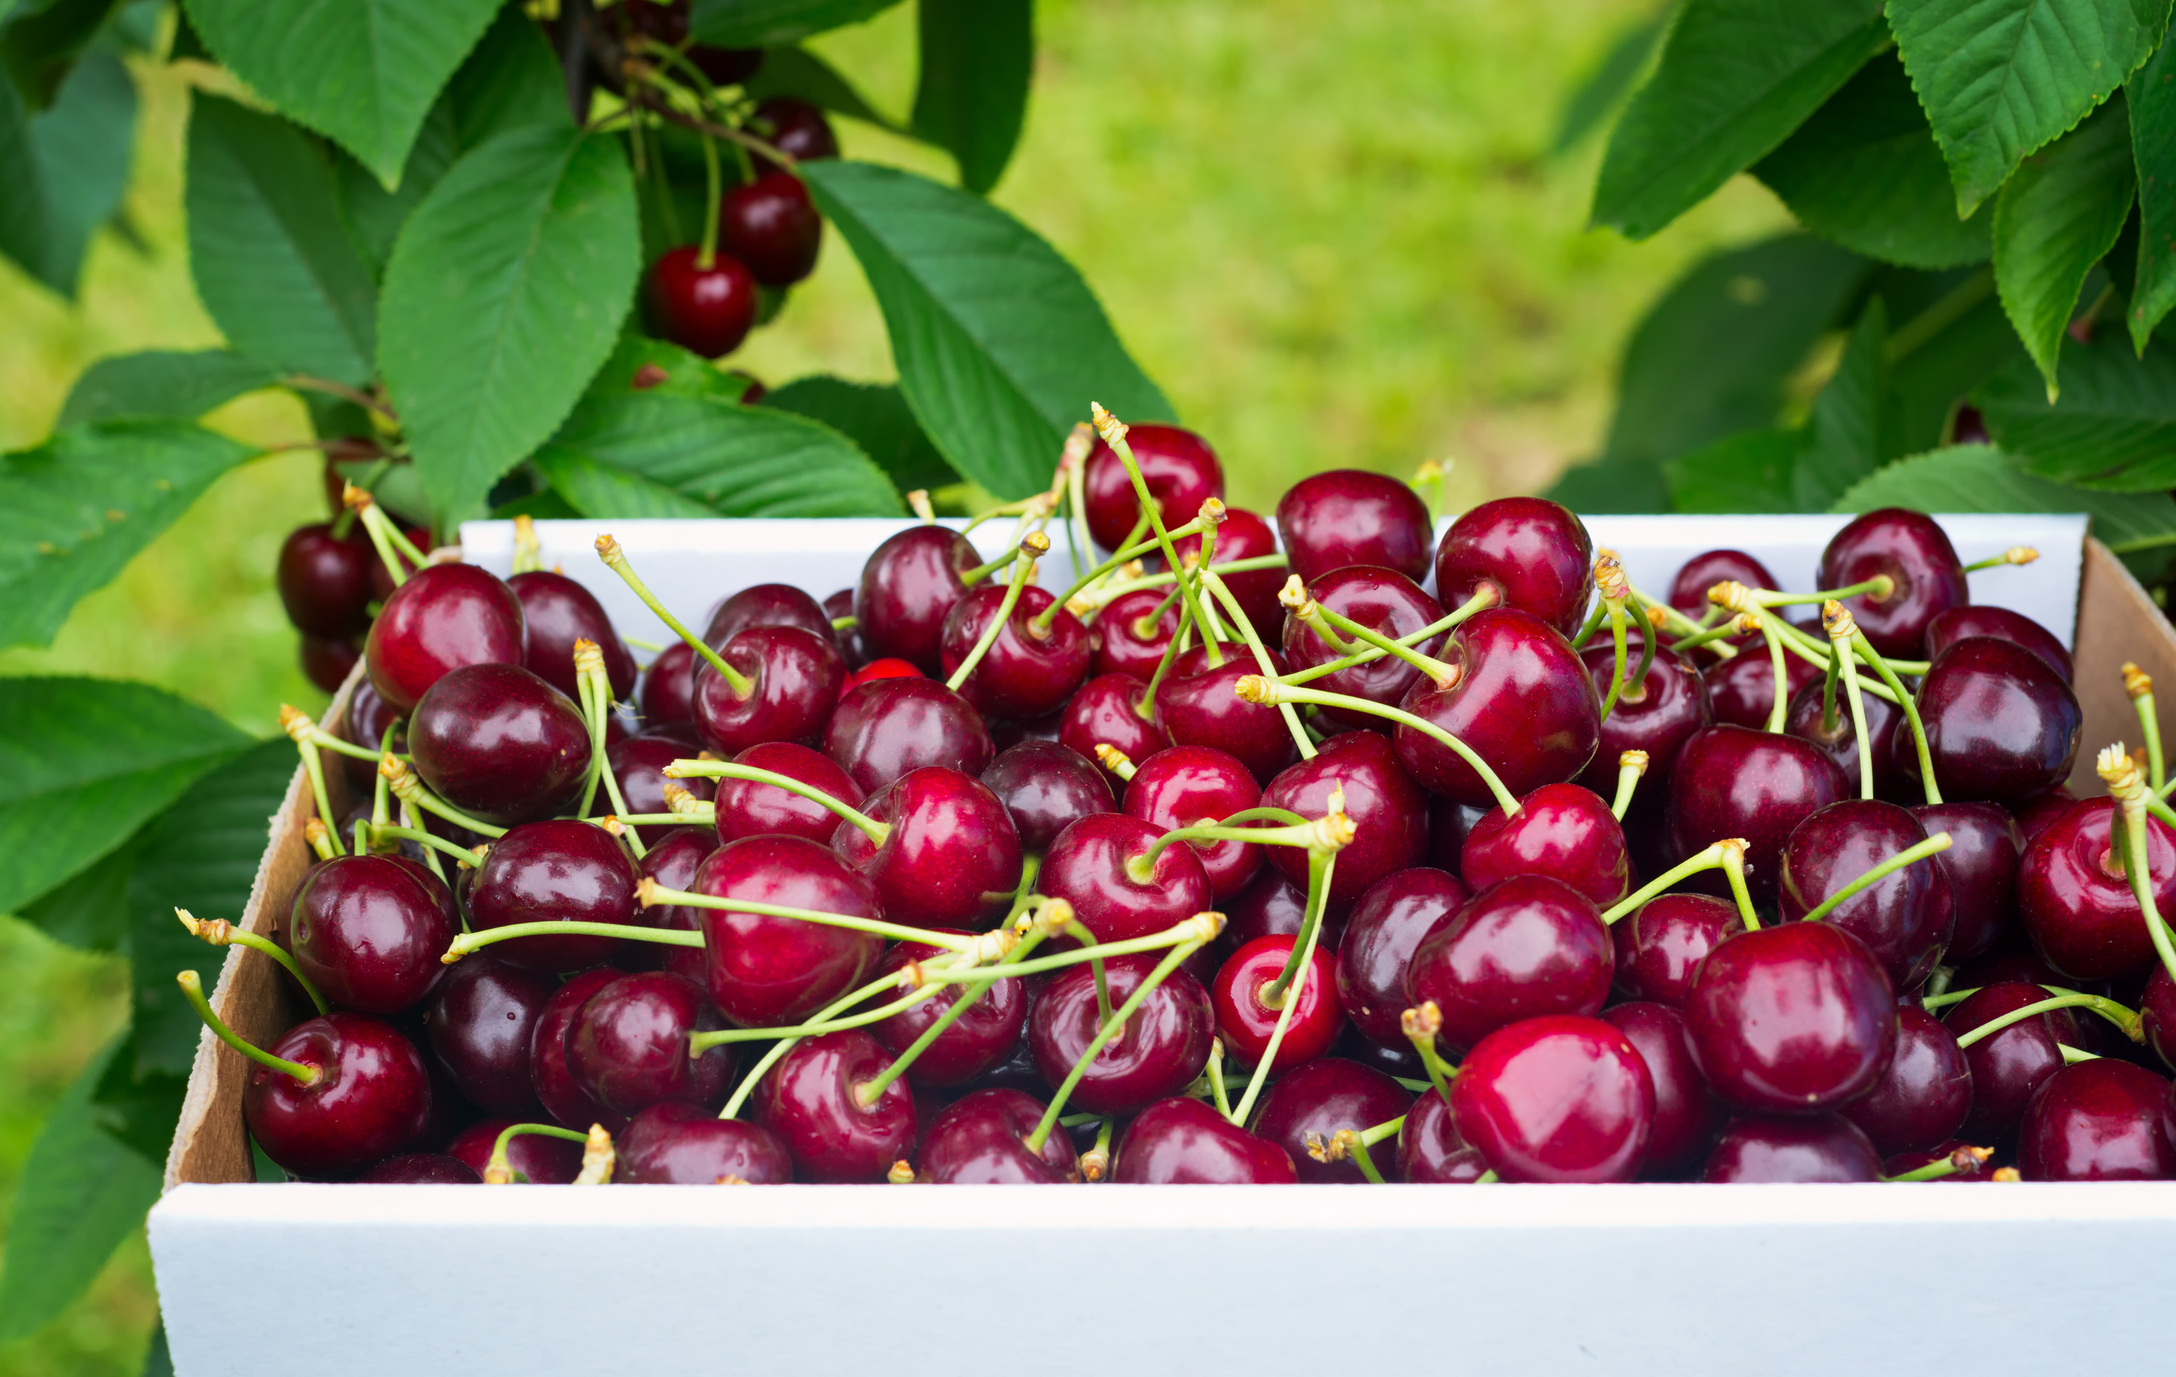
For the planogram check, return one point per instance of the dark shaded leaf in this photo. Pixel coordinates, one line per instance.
(1751, 472)
(1843, 440)
(768, 23)
(90, 910)
(799, 72)
(641, 364)
(978, 57)
(1940, 355)
(1609, 82)
(65, 169)
(140, 1112)
(2113, 428)
(162, 384)
(1613, 485)
(2151, 96)
(875, 417)
(2053, 222)
(1981, 478)
(41, 45)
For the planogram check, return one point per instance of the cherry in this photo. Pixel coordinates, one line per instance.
(674, 1143)
(1525, 947)
(1980, 619)
(1563, 831)
(1106, 712)
(795, 128)
(628, 1044)
(976, 1041)
(1791, 1019)
(1388, 810)
(886, 727)
(1911, 550)
(668, 24)
(1802, 1148)
(1449, 823)
(445, 616)
(981, 1140)
(1562, 1098)
(1661, 943)
(795, 676)
(1803, 720)
(558, 612)
(2100, 1120)
(1272, 905)
(1115, 638)
(1199, 706)
(1034, 664)
(766, 971)
(1352, 516)
(1689, 590)
(1185, 1142)
(562, 1096)
(2157, 1006)
(1898, 916)
(1534, 553)
(1246, 1023)
(1741, 690)
(368, 934)
(2000, 724)
(888, 668)
(908, 587)
(1186, 785)
(1244, 536)
(1091, 866)
(1922, 1099)
(554, 871)
(1522, 702)
(499, 743)
(542, 1159)
(1046, 788)
(770, 225)
(2077, 903)
(639, 762)
(1686, 1111)
(1308, 1107)
(328, 663)
(668, 688)
(371, 1097)
(1736, 782)
(1157, 1053)
(1178, 467)
(482, 1023)
(1388, 923)
(1985, 845)
(421, 1169)
(324, 580)
(951, 855)
(1384, 602)
(812, 1100)
(706, 309)
(2008, 1066)
(841, 604)
(1431, 1149)
(2034, 815)
(1658, 717)
(766, 604)
(749, 808)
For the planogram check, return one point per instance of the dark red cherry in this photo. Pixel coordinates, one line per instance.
(1689, 590)
(499, 743)
(1658, 717)
(976, 1041)
(1091, 866)
(707, 309)
(1306, 1108)
(1687, 1113)
(558, 611)
(1791, 1019)
(1985, 845)
(2009, 1065)
(981, 1140)
(2076, 902)
(1388, 810)
(766, 604)
(1808, 1148)
(1272, 905)
(1449, 824)
(1660, 944)
(1246, 1023)
(1922, 1099)
(1562, 1098)
(628, 1044)
(1742, 692)
(1981, 619)
(555, 871)
(1178, 1142)
(1563, 831)
(841, 604)
(1898, 916)
(482, 1023)
(534, 1157)
(2102, 1120)
(371, 1097)
(1911, 549)
(908, 587)
(638, 764)
(796, 677)
(668, 687)
(951, 857)
(2000, 724)
(1124, 639)
(1245, 536)
(562, 1095)
(1522, 701)
(748, 808)
(672, 861)
(328, 663)
(443, 617)
(1107, 712)
(1388, 923)
(2034, 815)
(421, 1169)
(1533, 552)
(1351, 516)
(1157, 1053)
(887, 727)
(674, 1143)
(324, 580)
(1803, 720)
(1187, 785)
(1384, 602)
(1758, 786)
(368, 933)
(1520, 949)
(1198, 706)
(888, 668)
(794, 127)
(1031, 668)
(2157, 1006)
(768, 971)
(1178, 466)
(771, 225)
(813, 1101)
(1431, 1149)
(1046, 788)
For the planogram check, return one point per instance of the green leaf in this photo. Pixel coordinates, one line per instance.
(162, 384)
(141, 1112)
(799, 72)
(504, 293)
(2151, 96)
(158, 1359)
(875, 417)
(361, 72)
(77, 508)
(1751, 472)
(1865, 173)
(40, 46)
(641, 364)
(65, 169)
(1736, 77)
(1939, 355)
(88, 911)
(978, 57)
(1981, 478)
(1843, 439)
(272, 259)
(645, 454)
(768, 23)
(1613, 485)
(2114, 427)
(2053, 222)
(1000, 345)
(1608, 83)
(2000, 78)
(81, 1193)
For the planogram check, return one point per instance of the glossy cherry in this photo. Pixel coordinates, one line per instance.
(674, 1143)
(1982, 619)
(1383, 601)
(539, 1159)
(766, 604)
(1185, 1142)
(1899, 917)
(1741, 690)
(951, 857)
(2077, 903)
(1772, 1148)
(795, 676)
(1157, 1053)
(668, 687)
(628, 1044)
(1389, 812)
(1351, 516)
(421, 1169)
(564, 1097)
(1841, 741)
(2157, 1008)
(499, 743)
(555, 871)
(749, 808)
(1737, 782)
(368, 933)
(482, 1024)
(1431, 1149)
(371, 1097)
(1564, 831)
(794, 127)
(1246, 1023)
(1107, 712)
(2008, 1066)
(1791, 1019)
(1687, 1113)
(2101, 1120)
(1922, 1099)
(558, 612)
(976, 1041)
(887, 727)
(445, 616)
(1198, 706)
(1533, 552)
(1310, 1105)
(1272, 905)
(1562, 1098)
(981, 1140)
(1046, 788)
(328, 663)
(1658, 717)
(908, 587)
(1387, 925)
(1245, 536)
(1912, 550)
(324, 580)
(1522, 948)
(2000, 723)
(672, 861)
(812, 1100)
(1092, 866)
(709, 309)
(1981, 867)
(1689, 590)
(1116, 638)
(381, 579)
(1662, 942)
(770, 225)
(1522, 701)
(1179, 468)
(768, 971)
(1187, 785)
(638, 764)
(1031, 668)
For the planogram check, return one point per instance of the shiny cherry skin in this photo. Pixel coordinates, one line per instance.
(1352, 516)
(766, 604)
(1271, 905)
(1031, 668)
(1392, 919)
(1522, 701)
(1246, 1023)
(770, 225)
(1922, 1099)
(1046, 788)
(368, 933)
(889, 668)
(563, 1096)
(1662, 942)
(1092, 867)
(1522, 948)
(628, 1044)
(555, 871)
(2008, 1066)
(1123, 639)
(1383, 601)
(2034, 815)
(363, 722)
(951, 856)
(841, 604)
(1981, 619)
(796, 674)
(1803, 720)
(749, 808)
(1388, 810)
(908, 587)
(668, 687)
(482, 1024)
(1737, 782)
(1108, 711)
(1909, 547)
(421, 1169)
(1658, 717)
(1791, 1019)
(708, 310)
(1245, 535)
(534, 1157)
(981, 1140)
(324, 580)
(2076, 903)
(674, 1143)
(371, 1098)
(794, 127)
(1741, 690)
(1198, 706)
(1563, 831)
(812, 1100)
(1307, 1108)
(1430, 1148)
(1689, 590)
(2000, 724)
(2102, 1120)
(886, 727)
(1183, 1142)
(976, 1041)
(1157, 1053)
(499, 743)
(1981, 865)
(1898, 916)
(445, 616)
(768, 971)
(1773, 1148)
(1562, 1098)
(1533, 552)
(558, 611)
(1178, 467)
(638, 764)
(1687, 1113)
(672, 862)
(1187, 785)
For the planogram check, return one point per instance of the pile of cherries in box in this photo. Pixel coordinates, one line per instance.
(1238, 857)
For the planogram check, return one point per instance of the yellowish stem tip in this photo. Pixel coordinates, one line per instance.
(1253, 688)
(1293, 595)
(608, 549)
(1205, 926)
(295, 722)
(2120, 773)
(646, 892)
(1732, 596)
(1212, 512)
(353, 497)
(1635, 761)
(314, 831)
(612, 825)
(588, 657)
(1054, 916)
(1428, 472)
(1609, 578)
(918, 503)
(1108, 426)
(2136, 682)
(598, 1158)
(2020, 554)
(1114, 760)
(1095, 1164)
(1035, 545)
(1424, 1021)
(1837, 621)
(681, 799)
(901, 1173)
(1732, 846)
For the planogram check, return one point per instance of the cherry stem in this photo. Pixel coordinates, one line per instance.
(779, 1049)
(1356, 1147)
(410, 791)
(1276, 691)
(1479, 602)
(302, 730)
(1911, 712)
(1910, 855)
(1113, 432)
(1278, 994)
(1615, 609)
(1836, 656)
(2139, 685)
(1308, 613)
(1023, 570)
(726, 769)
(2137, 867)
(192, 989)
(384, 535)
(1487, 1178)
(326, 741)
(528, 550)
(1705, 639)
(1636, 690)
(1710, 858)
(2016, 554)
(1102, 597)
(1963, 1159)
(1219, 1093)
(2073, 1055)
(1144, 626)
(615, 559)
(1427, 482)
(2115, 1013)
(1145, 708)
(221, 933)
(1130, 551)
(1780, 706)
(699, 1043)
(1734, 871)
(1441, 674)
(1142, 868)
(1880, 588)
(497, 1172)
(1630, 766)
(423, 838)
(319, 836)
(650, 894)
(1108, 1030)
(468, 943)
(876, 1085)
(971, 577)
(304, 382)
(1224, 594)
(1844, 665)
(1079, 443)
(1132, 946)
(706, 253)
(1420, 1026)
(412, 823)
(381, 793)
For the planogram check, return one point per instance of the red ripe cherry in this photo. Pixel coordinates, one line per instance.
(1382, 601)
(1981, 619)
(639, 762)
(950, 856)
(1563, 831)
(443, 617)
(1199, 706)
(1388, 923)
(770, 225)
(1306, 1109)
(668, 687)
(1431, 1149)
(1246, 1022)
(2009, 1065)
(1791, 1019)
(749, 808)
(1742, 692)
(1031, 668)
(1922, 1099)
(813, 1101)
(1841, 741)
(499, 743)
(1351, 516)
(1564, 1099)
(908, 587)
(977, 1040)
(1981, 865)
(1187, 785)
(324, 580)
(889, 667)
(1100, 866)
(1124, 639)
(1686, 1111)
(482, 1023)
(554, 871)
(795, 128)
(1772, 1148)
(2101, 1120)
(558, 612)
(1182, 1142)
(887, 727)
(2157, 1008)
(1658, 717)
(421, 1169)
(1272, 905)
(1244, 536)
(1898, 917)
(1107, 711)
(1522, 701)
(2034, 815)
(674, 1143)
(1520, 949)
(1534, 553)
(981, 1140)
(1689, 590)
(1909, 548)
(1758, 786)
(1662, 942)
(766, 604)
(672, 862)
(1177, 465)
(707, 309)
(564, 1097)
(795, 679)
(1388, 810)
(766, 971)
(534, 1157)
(841, 604)
(368, 934)
(328, 663)
(1046, 788)
(2076, 901)
(1158, 1052)
(371, 1097)
(628, 1045)
(2000, 724)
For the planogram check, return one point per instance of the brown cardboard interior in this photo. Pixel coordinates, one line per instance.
(2117, 622)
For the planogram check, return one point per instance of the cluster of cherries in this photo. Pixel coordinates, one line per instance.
(332, 578)
(1310, 851)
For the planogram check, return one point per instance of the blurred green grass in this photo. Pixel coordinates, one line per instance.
(1332, 235)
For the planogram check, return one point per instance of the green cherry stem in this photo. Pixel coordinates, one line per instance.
(996, 971)
(1709, 859)
(649, 893)
(1630, 766)
(1079, 443)
(1441, 674)
(1043, 965)
(1323, 833)
(469, 943)
(1104, 595)
(410, 790)
(1878, 587)
(2073, 1055)
(384, 537)
(1420, 1026)
(497, 1172)
(1356, 1147)
(1734, 871)
(1963, 1159)
(1219, 1093)
(1113, 432)
(1034, 547)
(2122, 1018)
(2120, 773)
(1481, 601)
(382, 831)
(2139, 686)
(1842, 631)
(2016, 554)
(726, 769)
(1132, 551)
(1284, 993)
(1903, 699)
(413, 824)
(221, 933)
(1255, 688)
(778, 1050)
(1636, 688)
(615, 559)
(301, 730)
(1224, 594)
(699, 1043)
(192, 989)
(1910, 855)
